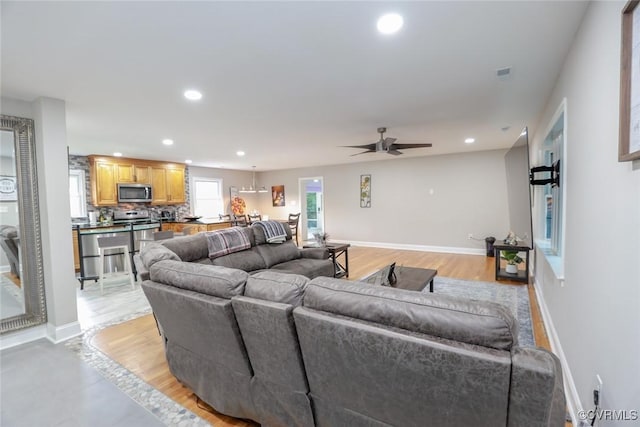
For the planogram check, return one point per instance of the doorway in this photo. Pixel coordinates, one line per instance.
(311, 206)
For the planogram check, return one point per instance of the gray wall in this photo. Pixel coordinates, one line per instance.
(230, 178)
(469, 196)
(595, 311)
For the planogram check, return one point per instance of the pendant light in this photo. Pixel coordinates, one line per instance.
(252, 187)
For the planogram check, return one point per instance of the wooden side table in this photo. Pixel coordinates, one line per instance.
(335, 251)
(521, 275)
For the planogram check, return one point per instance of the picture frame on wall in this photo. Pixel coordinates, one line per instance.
(629, 140)
(277, 195)
(8, 189)
(365, 191)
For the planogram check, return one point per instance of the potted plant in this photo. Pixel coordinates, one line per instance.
(513, 259)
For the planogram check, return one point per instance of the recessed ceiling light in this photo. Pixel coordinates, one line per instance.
(188, 161)
(240, 153)
(167, 141)
(192, 95)
(117, 154)
(469, 140)
(390, 23)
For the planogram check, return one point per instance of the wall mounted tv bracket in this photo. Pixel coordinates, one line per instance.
(554, 170)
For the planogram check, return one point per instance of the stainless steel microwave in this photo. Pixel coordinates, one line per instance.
(134, 193)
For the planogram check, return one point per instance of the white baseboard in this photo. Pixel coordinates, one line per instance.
(57, 334)
(23, 336)
(422, 248)
(571, 393)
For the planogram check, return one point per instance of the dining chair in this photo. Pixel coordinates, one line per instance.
(224, 217)
(240, 220)
(254, 218)
(294, 220)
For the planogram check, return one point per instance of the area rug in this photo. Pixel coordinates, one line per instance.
(514, 297)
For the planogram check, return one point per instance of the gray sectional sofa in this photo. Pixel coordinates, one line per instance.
(285, 257)
(284, 350)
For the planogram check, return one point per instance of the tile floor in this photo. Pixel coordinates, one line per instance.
(73, 384)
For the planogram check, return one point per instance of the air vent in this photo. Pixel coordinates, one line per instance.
(503, 73)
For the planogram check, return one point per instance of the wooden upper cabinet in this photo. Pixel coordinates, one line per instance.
(142, 174)
(159, 185)
(103, 185)
(166, 179)
(129, 173)
(175, 185)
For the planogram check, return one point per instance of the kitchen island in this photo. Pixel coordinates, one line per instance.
(86, 235)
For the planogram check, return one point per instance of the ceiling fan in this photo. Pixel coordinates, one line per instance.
(385, 145)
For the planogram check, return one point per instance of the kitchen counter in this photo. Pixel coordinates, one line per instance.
(86, 246)
(203, 224)
(113, 228)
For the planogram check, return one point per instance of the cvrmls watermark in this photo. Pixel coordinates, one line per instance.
(609, 415)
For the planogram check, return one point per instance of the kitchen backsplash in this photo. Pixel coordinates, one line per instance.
(82, 163)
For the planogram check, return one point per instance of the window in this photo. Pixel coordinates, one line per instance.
(207, 197)
(77, 193)
(552, 152)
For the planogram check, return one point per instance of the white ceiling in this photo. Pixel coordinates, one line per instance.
(287, 82)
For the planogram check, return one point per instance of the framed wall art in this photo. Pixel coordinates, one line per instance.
(8, 189)
(277, 195)
(365, 191)
(629, 141)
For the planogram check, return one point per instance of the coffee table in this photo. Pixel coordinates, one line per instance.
(414, 279)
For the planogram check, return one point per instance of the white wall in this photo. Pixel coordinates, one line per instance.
(596, 311)
(469, 196)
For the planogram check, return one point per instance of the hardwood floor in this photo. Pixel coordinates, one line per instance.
(137, 346)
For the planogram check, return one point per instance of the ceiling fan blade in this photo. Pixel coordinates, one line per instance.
(364, 152)
(371, 146)
(389, 141)
(394, 152)
(405, 146)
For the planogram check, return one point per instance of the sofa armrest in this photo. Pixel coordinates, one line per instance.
(314, 253)
(536, 397)
(141, 270)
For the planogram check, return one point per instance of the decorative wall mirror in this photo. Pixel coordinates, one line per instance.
(22, 304)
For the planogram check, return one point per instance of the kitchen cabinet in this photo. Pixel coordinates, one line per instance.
(103, 184)
(175, 185)
(159, 185)
(76, 251)
(166, 179)
(132, 173)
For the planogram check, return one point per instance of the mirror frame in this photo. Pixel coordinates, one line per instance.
(32, 274)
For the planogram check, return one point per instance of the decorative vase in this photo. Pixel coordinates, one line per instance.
(512, 269)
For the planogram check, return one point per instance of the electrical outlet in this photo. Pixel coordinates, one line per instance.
(470, 236)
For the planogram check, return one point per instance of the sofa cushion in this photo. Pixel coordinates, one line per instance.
(247, 260)
(261, 239)
(307, 267)
(153, 252)
(279, 252)
(212, 280)
(188, 248)
(475, 322)
(277, 287)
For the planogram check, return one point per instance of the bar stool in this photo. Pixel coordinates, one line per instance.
(116, 242)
